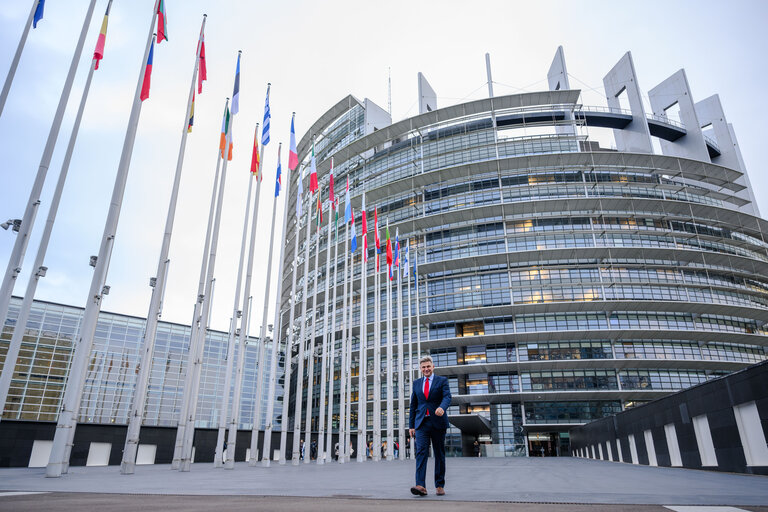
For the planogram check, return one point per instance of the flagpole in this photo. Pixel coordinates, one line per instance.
(324, 360)
(332, 341)
(28, 220)
(202, 326)
(65, 427)
(348, 409)
(390, 367)
(410, 343)
(400, 372)
(418, 322)
(195, 318)
(343, 447)
(29, 296)
(289, 342)
(158, 291)
(362, 383)
(377, 360)
(312, 333)
(267, 444)
(16, 57)
(302, 332)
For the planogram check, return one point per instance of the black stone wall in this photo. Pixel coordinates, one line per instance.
(714, 398)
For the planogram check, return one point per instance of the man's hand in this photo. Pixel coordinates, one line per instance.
(439, 411)
(412, 431)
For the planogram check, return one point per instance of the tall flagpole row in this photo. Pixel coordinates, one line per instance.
(390, 364)
(15, 61)
(135, 419)
(346, 320)
(11, 356)
(376, 447)
(33, 203)
(331, 449)
(400, 367)
(362, 382)
(65, 427)
(312, 333)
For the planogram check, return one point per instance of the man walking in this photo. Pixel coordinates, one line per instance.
(430, 398)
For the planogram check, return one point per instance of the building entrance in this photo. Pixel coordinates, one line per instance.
(544, 444)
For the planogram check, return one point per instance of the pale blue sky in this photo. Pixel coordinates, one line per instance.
(314, 53)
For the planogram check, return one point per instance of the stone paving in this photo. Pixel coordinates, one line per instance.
(506, 480)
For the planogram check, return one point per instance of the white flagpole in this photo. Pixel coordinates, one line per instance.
(300, 380)
(267, 444)
(390, 365)
(29, 296)
(348, 378)
(324, 362)
(16, 57)
(65, 428)
(311, 358)
(192, 350)
(376, 447)
(28, 220)
(418, 322)
(362, 382)
(158, 292)
(332, 343)
(225, 411)
(290, 334)
(410, 347)
(202, 325)
(400, 372)
(343, 447)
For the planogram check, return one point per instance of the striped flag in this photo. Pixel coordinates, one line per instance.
(293, 155)
(38, 13)
(224, 133)
(365, 233)
(202, 71)
(148, 73)
(230, 139)
(265, 123)
(98, 53)
(389, 251)
(353, 245)
(376, 235)
(396, 262)
(278, 178)
(330, 184)
(191, 114)
(255, 154)
(162, 22)
(313, 172)
(347, 205)
(236, 90)
(405, 260)
(319, 213)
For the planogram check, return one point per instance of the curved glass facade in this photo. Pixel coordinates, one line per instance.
(559, 281)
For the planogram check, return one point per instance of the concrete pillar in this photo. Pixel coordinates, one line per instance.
(635, 137)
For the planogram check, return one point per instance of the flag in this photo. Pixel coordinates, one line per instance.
(278, 178)
(299, 193)
(389, 247)
(148, 73)
(353, 246)
(98, 53)
(265, 123)
(319, 213)
(236, 90)
(330, 184)
(396, 262)
(313, 172)
(224, 132)
(365, 233)
(255, 155)
(347, 205)
(293, 155)
(230, 138)
(162, 22)
(405, 260)
(191, 114)
(202, 70)
(38, 13)
(376, 235)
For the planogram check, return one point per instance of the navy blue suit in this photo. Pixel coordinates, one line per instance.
(430, 428)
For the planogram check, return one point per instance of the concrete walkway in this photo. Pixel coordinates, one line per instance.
(510, 480)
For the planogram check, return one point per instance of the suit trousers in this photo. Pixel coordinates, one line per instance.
(426, 433)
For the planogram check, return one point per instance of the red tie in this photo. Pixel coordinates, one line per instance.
(426, 391)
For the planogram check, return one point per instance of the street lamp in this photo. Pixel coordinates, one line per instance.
(15, 224)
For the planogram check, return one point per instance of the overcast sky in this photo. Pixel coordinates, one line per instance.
(313, 53)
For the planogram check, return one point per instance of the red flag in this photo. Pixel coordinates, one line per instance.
(202, 72)
(98, 53)
(255, 156)
(330, 186)
(148, 73)
(162, 22)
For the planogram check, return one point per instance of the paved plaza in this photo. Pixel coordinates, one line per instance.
(522, 484)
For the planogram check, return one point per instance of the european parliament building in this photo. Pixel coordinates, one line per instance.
(560, 278)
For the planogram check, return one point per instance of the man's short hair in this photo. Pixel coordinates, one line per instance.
(425, 359)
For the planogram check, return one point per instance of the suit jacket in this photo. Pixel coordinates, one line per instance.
(439, 396)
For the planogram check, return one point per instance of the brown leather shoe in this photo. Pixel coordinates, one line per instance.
(440, 491)
(418, 490)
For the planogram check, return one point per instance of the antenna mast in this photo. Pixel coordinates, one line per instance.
(389, 91)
